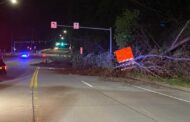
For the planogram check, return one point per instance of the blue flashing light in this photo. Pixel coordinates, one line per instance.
(24, 56)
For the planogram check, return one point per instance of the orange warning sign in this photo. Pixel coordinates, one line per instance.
(124, 54)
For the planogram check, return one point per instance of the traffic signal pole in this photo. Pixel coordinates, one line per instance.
(94, 28)
(110, 41)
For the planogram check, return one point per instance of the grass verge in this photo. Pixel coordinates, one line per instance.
(174, 81)
(177, 81)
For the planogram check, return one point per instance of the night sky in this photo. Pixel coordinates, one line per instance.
(30, 20)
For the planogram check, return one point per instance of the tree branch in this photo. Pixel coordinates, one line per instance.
(184, 27)
(177, 45)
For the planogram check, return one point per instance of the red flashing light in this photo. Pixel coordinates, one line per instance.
(5, 67)
(44, 55)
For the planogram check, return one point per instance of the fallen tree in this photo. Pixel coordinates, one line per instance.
(163, 64)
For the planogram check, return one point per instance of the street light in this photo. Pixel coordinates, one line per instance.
(13, 1)
(62, 38)
(65, 31)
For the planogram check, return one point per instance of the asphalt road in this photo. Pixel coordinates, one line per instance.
(37, 94)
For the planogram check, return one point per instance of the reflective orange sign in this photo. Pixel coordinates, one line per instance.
(124, 54)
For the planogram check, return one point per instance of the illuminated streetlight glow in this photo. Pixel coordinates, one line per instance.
(65, 31)
(14, 1)
(62, 38)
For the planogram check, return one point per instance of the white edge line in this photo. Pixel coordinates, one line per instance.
(162, 94)
(91, 86)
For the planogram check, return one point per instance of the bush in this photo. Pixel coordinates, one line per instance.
(103, 60)
(77, 61)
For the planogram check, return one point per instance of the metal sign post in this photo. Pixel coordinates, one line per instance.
(92, 28)
(110, 41)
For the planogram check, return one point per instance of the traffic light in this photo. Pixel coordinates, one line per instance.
(60, 44)
(57, 44)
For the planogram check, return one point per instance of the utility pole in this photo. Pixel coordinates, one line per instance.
(12, 43)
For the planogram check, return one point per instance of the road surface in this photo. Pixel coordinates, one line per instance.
(37, 94)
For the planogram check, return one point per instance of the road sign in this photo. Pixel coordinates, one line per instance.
(81, 50)
(76, 25)
(124, 54)
(53, 25)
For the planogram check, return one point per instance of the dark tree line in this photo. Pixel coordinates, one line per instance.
(157, 30)
(159, 20)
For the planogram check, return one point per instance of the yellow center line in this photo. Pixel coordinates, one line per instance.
(34, 80)
(34, 86)
(37, 108)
